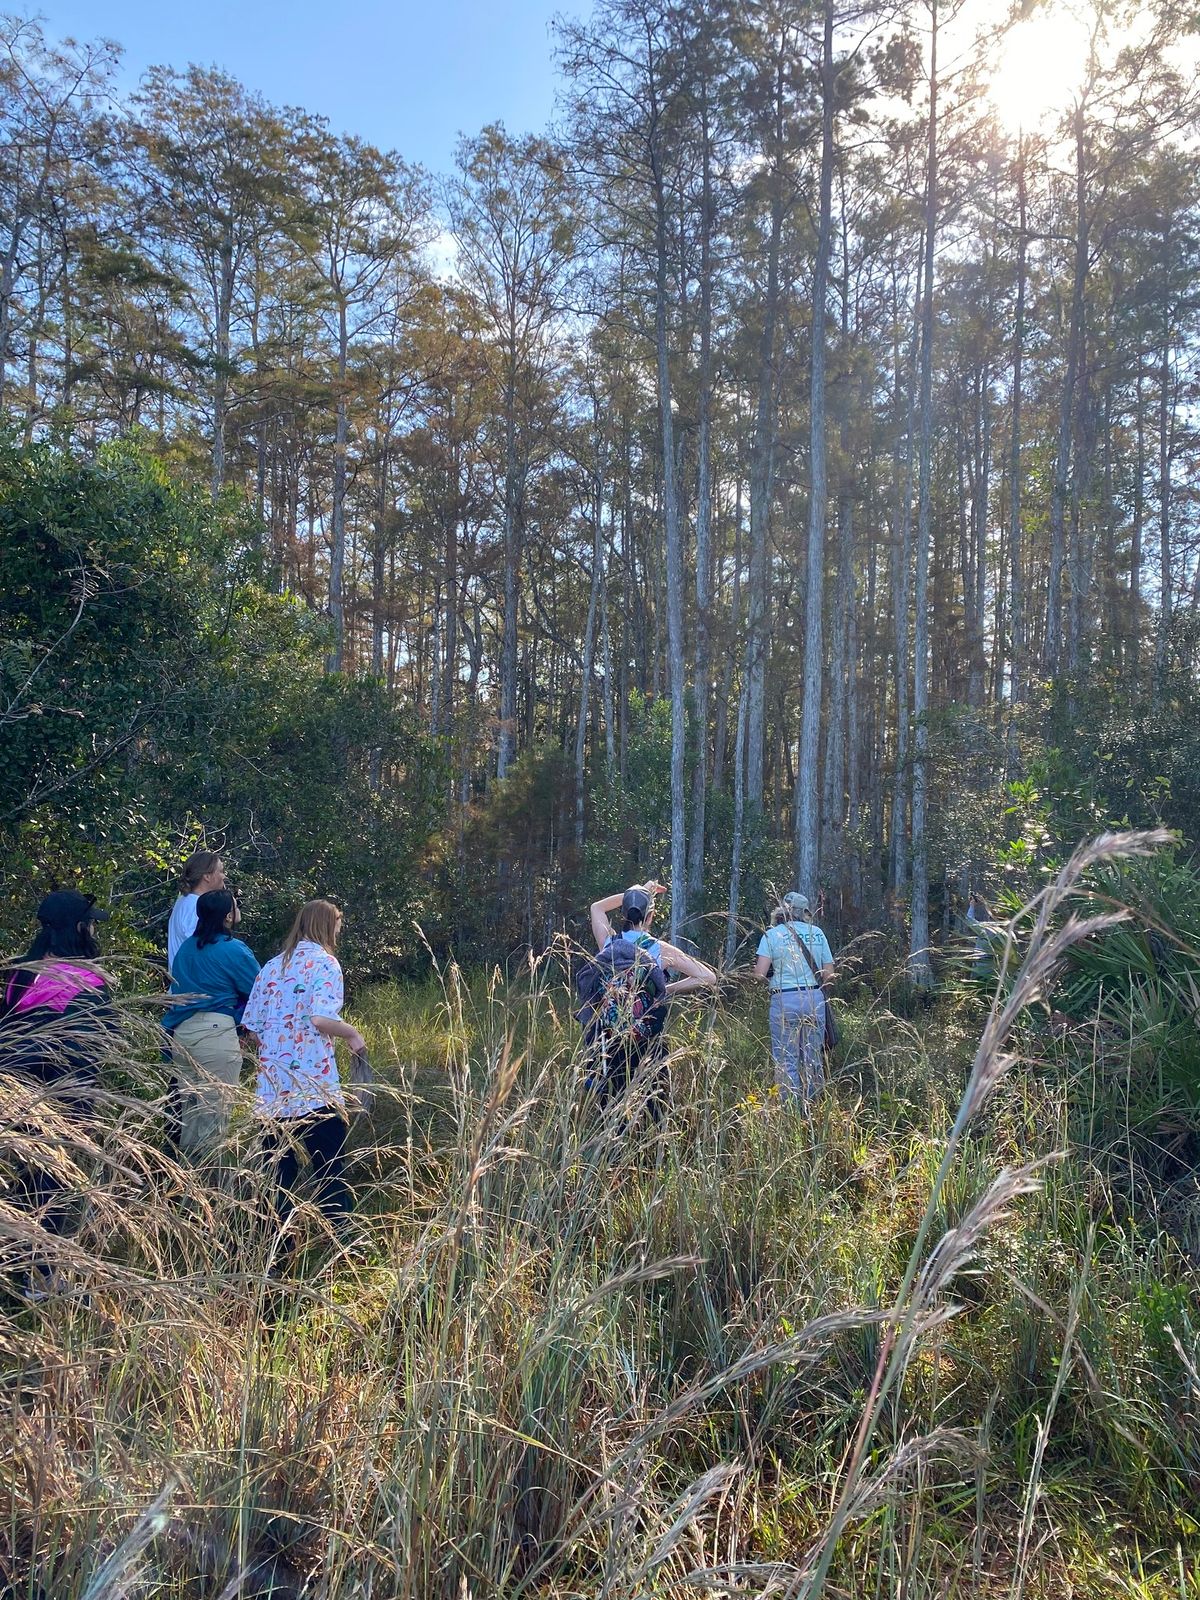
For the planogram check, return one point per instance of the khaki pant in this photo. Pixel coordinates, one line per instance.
(208, 1063)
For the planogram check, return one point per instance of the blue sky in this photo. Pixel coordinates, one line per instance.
(409, 75)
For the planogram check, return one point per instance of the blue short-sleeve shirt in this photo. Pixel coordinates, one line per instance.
(789, 969)
(222, 974)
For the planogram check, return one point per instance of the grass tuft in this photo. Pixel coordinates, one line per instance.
(926, 1340)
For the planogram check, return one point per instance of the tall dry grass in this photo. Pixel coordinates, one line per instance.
(900, 1347)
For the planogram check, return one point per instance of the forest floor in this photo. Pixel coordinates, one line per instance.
(559, 1358)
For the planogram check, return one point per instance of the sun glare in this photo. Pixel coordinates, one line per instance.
(1040, 65)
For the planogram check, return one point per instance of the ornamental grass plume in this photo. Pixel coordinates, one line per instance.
(569, 1359)
(920, 1289)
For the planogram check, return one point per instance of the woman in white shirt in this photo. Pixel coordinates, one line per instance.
(795, 956)
(294, 1011)
(203, 872)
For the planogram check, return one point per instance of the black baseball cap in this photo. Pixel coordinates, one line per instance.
(67, 908)
(635, 899)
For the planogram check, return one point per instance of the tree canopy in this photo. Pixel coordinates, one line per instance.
(781, 466)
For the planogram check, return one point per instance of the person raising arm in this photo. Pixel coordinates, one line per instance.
(636, 905)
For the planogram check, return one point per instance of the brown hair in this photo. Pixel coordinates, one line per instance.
(197, 866)
(316, 921)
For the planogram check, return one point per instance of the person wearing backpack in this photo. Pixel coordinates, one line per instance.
(636, 905)
(624, 993)
(794, 955)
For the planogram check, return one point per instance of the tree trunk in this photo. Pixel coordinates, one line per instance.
(919, 965)
(1052, 655)
(762, 473)
(610, 749)
(337, 516)
(434, 675)
(450, 562)
(901, 592)
(630, 589)
(1139, 514)
(854, 878)
(735, 622)
(834, 799)
(507, 743)
(1016, 554)
(700, 690)
(977, 566)
(589, 640)
(1110, 621)
(1079, 563)
(378, 578)
(7, 289)
(1166, 422)
(807, 778)
(676, 662)
(739, 825)
(221, 353)
(833, 807)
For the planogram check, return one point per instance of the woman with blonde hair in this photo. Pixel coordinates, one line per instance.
(294, 1011)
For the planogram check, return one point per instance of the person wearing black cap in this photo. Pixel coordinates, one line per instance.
(636, 905)
(54, 1014)
(66, 936)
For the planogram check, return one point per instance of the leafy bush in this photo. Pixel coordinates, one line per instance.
(1146, 971)
(154, 694)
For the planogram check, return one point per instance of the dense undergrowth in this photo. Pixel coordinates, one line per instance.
(564, 1359)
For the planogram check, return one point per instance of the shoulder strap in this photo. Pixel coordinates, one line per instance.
(16, 982)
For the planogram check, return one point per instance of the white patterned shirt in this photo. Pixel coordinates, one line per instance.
(297, 1068)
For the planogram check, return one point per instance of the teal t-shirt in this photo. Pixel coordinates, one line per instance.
(223, 972)
(789, 969)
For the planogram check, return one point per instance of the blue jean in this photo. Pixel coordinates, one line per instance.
(798, 1042)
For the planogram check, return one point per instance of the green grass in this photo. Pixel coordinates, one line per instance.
(570, 1362)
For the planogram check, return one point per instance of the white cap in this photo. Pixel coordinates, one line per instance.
(795, 901)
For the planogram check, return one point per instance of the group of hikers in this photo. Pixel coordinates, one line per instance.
(625, 991)
(58, 1021)
(291, 1007)
(56, 1009)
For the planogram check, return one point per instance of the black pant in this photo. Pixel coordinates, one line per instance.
(644, 1059)
(58, 1205)
(323, 1135)
(46, 1195)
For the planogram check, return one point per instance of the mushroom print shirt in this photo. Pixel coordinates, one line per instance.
(297, 1068)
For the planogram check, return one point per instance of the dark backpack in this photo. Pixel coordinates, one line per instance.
(622, 1000)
